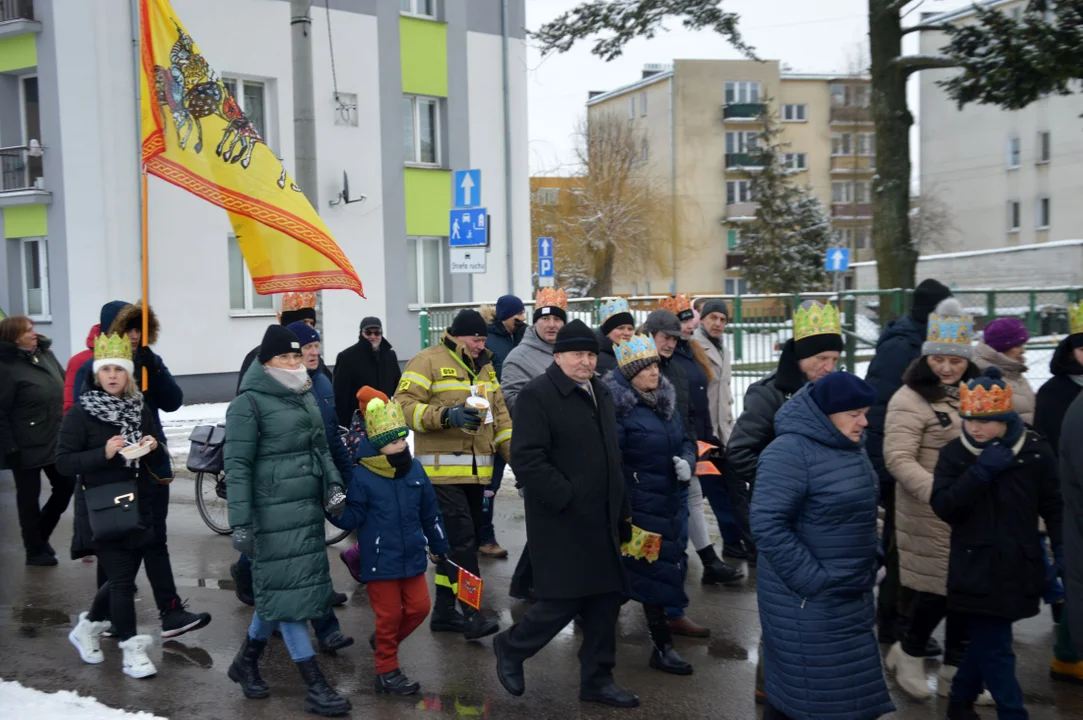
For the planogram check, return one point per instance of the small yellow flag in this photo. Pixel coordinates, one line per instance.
(196, 137)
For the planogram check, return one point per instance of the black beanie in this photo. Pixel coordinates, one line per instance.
(468, 323)
(291, 316)
(541, 312)
(815, 344)
(927, 295)
(714, 306)
(277, 341)
(616, 320)
(576, 337)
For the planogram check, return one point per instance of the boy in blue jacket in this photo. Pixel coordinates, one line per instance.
(391, 504)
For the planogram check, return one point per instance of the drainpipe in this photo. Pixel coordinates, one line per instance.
(304, 111)
(508, 225)
(672, 182)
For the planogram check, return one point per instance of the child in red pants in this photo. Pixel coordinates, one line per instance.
(391, 504)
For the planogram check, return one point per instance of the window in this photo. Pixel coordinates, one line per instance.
(31, 131)
(426, 284)
(643, 102)
(421, 130)
(740, 142)
(795, 161)
(849, 192)
(631, 107)
(795, 113)
(644, 150)
(841, 144)
(1014, 215)
(862, 191)
(547, 196)
(733, 239)
(736, 286)
(424, 8)
(243, 298)
(866, 144)
(738, 191)
(1043, 213)
(1045, 149)
(1015, 152)
(862, 238)
(1017, 13)
(843, 95)
(860, 95)
(251, 96)
(35, 278)
(742, 92)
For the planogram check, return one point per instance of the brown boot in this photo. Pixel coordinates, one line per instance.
(684, 626)
(492, 550)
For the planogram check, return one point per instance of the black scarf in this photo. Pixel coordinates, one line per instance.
(127, 412)
(401, 462)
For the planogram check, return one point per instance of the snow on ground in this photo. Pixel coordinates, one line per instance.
(17, 701)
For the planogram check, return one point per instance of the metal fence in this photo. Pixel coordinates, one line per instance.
(761, 324)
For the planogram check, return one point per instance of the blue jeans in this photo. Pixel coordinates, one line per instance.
(487, 534)
(719, 500)
(676, 613)
(323, 627)
(294, 634)
(990, 659)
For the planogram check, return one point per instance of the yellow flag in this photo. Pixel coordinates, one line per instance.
(196, 137)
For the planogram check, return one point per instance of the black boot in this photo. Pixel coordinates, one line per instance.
(959, 710)
(245, 669)
(663, 656)
(335, 641)
(479, 626)
(716, 572)
(321, 699)
(445, 616)
(396, 683)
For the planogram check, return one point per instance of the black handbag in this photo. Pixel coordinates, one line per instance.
(206, 454)
(113, 510)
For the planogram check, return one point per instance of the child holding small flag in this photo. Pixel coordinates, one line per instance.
(393, 507)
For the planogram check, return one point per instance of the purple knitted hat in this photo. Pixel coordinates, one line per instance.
(1005, 333)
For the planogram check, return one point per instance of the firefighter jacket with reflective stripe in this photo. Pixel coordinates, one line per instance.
(438, 378)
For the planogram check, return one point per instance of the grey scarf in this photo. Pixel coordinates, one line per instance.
(295, 380)
(950, 391)
(650, 397)
(127, 412)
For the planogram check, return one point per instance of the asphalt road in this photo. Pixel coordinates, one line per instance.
(38, 606)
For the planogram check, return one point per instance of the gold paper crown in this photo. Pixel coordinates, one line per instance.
(1075, 318)
(112, 347)
(384, 422)
(639, 347)
(551, 297)
(294, 301)
(676, 304)
(984, 402)
(816, 320)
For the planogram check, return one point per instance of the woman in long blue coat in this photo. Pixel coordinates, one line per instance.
(658, 459)
(813, 517)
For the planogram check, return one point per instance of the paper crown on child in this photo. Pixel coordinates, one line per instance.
(987, 397)
(614, 306)
(1075, 318)
(384, 423)
(679, 305)
(551, 297)
(293, 301)
(113, 350)
(816, 319)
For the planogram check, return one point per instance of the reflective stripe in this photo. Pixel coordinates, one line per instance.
(458, 471)
(450, 386)
(459, 460)
(419, 409)
(419, 379)
(502, 437)
(444, 581)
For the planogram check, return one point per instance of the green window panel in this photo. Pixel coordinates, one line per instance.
(423, 45)
(26, 221)
(428, 201)
(20, 51)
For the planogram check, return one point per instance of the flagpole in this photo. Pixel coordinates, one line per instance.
(137, 74)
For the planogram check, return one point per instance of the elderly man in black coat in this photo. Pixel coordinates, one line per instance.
(566, 457)
(1071, 488)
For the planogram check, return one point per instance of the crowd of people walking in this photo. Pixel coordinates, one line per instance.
(939, 489)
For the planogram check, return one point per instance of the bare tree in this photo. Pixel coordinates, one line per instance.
(932, 223)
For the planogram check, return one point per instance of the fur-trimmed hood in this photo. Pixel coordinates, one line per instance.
(625, 396)
(132, 317)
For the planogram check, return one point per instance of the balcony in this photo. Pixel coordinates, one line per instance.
(850, 114)
(851, 164)
(17, 18)
(851, 210)
(743, 112)
(742, 161)
(21, 177)
(741, 210)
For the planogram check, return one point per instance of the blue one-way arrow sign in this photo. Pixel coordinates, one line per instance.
(467, 188)
(838, 259)
(545, 247)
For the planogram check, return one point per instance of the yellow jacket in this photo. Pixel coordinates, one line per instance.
(440, 377)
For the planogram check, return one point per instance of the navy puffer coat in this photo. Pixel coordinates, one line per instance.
(814, 520)
(649, 440)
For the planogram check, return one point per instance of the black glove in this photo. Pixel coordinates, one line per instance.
(994, 459)
(244, 540)
(14, 460)
(461, 416)
(625, 531)
(145, 358)
(438, 560)
(335, 500)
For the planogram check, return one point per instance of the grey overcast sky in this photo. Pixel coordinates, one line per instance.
(811, 36)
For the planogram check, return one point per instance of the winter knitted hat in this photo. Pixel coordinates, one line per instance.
(278, 341)
(636, 355)
(927, 295)
(842, 392)
(366, 395)
(950, 331)
(816, 329)
(576, 337)
(109, 313)
(616, 312)
(987, 397)
(508, 306)
(1005, 333)
(551, 301)
(297, 307)
(468, 323)
(714, 306)
(384, 423)
(305, 333)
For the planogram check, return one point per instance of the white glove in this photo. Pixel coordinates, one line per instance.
(684, 472)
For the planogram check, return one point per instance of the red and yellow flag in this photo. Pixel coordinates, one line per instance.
(470, 587)
(196, 137)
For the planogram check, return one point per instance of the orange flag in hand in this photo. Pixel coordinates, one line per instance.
(470, 586)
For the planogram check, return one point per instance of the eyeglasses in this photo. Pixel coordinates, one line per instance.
(289, 358)
(374, 333)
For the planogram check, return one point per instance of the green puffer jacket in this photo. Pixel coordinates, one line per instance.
(276, 476)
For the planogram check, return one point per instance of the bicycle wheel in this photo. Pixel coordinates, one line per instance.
(332, 534)
(211, 502)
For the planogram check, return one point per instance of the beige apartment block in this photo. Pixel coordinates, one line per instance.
(700, 119)
(1010, 178)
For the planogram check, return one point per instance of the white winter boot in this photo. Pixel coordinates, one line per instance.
(136, 662)
(85, 636)
(909, 672)
(945, 676)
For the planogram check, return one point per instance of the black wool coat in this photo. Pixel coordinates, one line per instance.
(1071, 488)
(1056, 395)
(359, 365)
(566, 455)
(31, 405)
(995, 566)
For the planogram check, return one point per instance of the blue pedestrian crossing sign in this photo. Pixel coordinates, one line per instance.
(467, 188)
(838, 259)
(469, 228)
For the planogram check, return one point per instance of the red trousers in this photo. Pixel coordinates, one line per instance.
(400, 607)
